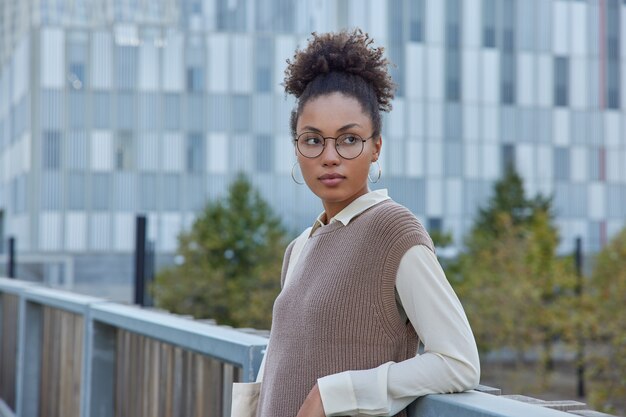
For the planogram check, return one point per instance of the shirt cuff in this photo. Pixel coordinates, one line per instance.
(337, 394)
(361, 392)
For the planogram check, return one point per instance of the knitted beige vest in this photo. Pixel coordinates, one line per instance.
(339, 312)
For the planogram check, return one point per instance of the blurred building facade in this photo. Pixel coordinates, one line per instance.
(111, 108)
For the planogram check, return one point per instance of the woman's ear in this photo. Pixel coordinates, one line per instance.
(378, 145)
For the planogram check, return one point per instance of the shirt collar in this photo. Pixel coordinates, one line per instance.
(353, 209)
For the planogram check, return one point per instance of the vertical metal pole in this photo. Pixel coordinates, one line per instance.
(140, 260)
(149, 272)
(580, 354)
(11, 263)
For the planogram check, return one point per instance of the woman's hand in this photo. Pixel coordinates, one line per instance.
(312, 406)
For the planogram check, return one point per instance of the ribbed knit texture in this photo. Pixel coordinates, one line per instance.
(339, 311)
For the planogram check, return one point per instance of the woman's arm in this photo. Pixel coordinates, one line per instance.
(450, 360)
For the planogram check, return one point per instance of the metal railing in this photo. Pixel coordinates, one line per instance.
(75, 355)
(63, 354)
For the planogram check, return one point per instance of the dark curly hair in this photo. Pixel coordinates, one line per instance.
(344, 62)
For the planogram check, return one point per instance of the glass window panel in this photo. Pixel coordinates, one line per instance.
(453, 127)
(561, 81)
(416, 20)
(77, 109)
(613, 84)
(172, 110)
(126, 67)
(231, 15)
(171, 192)
(125, 111)
(264, 153)
(101, 110)
(264, 48)
(76, 151)
(76, 191)
(125, 191)
(51, 110)
(453, 162)
(196, 194)
(195, 153)
(148, 191)
(508, 157)
(124, 151)
(508, 66)
(489, 23)
(241, 108)
(195, 79)
(52, 191)
(51, 150)
(561, 164)
(149, 115)
(195, 112)
(100, 191)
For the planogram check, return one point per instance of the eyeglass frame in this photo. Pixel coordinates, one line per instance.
(335, 139)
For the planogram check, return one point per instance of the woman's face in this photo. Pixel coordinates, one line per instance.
(335, 180)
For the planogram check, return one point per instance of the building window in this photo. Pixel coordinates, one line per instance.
(435, 225)
(101, 110)
(508, 157)
(416, 20)
(172, 111)
(453, 60)
(100, 192)
(51, 150)
(561, 81)
(195, 79)
(231, 15)
(613, 55)
(561, 164)
(195, 153)
(264, 153)
(264, 59)
(508, 78)
(489, 23)
(126, 73)
(124, 151)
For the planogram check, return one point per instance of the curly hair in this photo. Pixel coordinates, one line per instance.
(344, 62)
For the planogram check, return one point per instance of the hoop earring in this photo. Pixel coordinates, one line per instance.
(293, 176)
(380, 171)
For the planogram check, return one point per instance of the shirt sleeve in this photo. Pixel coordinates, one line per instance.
(450, 360)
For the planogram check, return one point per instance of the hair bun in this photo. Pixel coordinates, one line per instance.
(346, 51)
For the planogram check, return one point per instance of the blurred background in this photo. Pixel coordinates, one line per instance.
(506, 139)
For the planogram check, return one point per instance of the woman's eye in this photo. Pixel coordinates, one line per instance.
(349, 140)
(313, 141)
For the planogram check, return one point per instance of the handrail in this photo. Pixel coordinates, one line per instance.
(102, 321)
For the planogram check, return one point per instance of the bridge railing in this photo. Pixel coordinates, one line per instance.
(69, 355)
(64, 354)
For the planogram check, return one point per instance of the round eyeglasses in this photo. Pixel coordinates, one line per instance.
(348, 145)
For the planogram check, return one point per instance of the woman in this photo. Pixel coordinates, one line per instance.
(362, 287)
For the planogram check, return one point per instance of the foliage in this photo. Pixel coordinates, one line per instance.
(607, 294)
(232, 262)
(516, 291)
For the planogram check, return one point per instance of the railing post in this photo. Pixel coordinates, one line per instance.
(101, 371)
(140, 260)
(11, 260)
(28, 359)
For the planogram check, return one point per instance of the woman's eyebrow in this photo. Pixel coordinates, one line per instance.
(341, 129)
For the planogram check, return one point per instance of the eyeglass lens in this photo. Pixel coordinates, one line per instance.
(348, 145)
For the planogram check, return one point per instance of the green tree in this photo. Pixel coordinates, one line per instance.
(517, 292)
(607, 354)
(232, 262)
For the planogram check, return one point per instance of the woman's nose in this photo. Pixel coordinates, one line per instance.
(329, 154)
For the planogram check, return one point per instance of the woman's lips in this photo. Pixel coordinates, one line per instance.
(331, 180)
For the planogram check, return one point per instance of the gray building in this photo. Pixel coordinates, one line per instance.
(111, 108)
